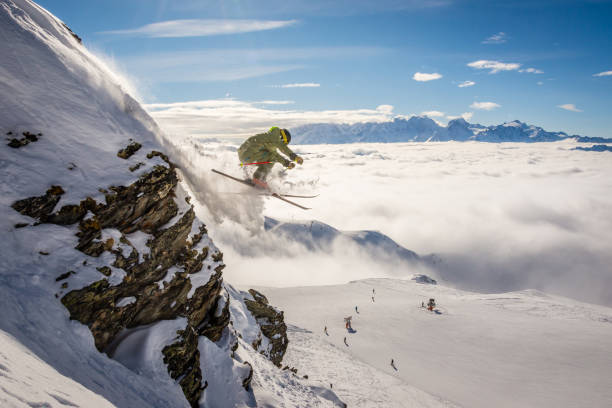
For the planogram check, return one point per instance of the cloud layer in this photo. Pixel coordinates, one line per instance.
(234, 118)
(202, 27)
(500, 217)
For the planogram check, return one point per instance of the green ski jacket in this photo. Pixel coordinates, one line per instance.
(264, 148)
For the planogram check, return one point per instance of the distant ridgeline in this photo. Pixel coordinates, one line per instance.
(424, 129)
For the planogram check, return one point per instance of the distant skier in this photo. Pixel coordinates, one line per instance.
(393, 364)
(431, 304)
(347, 321)
(356, 311)
(262, 150)
(372, 298)
(373, 291)
(325, 331)
(422, 304)
(345, 342)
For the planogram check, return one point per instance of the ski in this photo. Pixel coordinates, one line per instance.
(267, 193)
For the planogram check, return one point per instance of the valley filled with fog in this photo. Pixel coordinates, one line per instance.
(498, 216)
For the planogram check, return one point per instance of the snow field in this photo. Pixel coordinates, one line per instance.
(515, 349)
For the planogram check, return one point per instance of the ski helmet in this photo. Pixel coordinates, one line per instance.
(285, 136)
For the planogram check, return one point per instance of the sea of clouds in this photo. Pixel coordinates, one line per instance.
(499, 217)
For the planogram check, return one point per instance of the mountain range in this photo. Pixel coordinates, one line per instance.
(425, 129)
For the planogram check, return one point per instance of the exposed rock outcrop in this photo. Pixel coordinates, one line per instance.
(24, 141)
(272, 324)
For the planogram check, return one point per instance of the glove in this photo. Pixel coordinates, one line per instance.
(291, 165)
(299, 160)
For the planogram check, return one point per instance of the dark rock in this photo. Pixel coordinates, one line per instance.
(64, 276)
(105, 270)
(136, 166)
(183, 360)
(39, 207)
(21, 224)
(43, 252)
(128, 151)
(165, 158)
(25, 140)
(76, 37)
(272, 325)
(246, 383)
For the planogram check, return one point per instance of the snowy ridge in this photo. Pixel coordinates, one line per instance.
(424, 129)
(67, 120)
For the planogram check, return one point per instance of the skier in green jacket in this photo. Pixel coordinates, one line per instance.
(263, 149)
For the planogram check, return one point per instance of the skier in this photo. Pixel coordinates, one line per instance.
(345, 341)
(263, 149)
(372, 298)
(356, 311)
(431, 304)
(325, 331)
(422, 304)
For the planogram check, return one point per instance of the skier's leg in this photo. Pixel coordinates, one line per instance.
(262, 171)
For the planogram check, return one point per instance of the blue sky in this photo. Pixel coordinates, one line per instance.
(535, 61)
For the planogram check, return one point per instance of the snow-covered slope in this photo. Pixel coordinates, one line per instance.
(423, 129)
(517, 349)
(102, 254)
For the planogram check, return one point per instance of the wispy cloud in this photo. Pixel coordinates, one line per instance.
(299, 85)
(235, 64)
(422, 77)
(494, 66)
(202, 27)
(569, 107)
(531, 71)
(433, 114)
(498, 38)
(465, 84)
(234, 118)
(601, 74)
(484, 105)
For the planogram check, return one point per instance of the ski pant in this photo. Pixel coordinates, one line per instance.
(262, 169)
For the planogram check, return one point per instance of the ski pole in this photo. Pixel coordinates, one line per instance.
(248, 164)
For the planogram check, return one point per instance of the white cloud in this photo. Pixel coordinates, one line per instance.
(540, 83)
(494, 66)
(467, 116)
(484, 105)
(276, 102)
(203, 27)
(237, 119)
(299, 85)
(531, 71)
(498, 38)
(465, 84)
(605, 73)
(433, 114)
(569, 107)
(422, 77)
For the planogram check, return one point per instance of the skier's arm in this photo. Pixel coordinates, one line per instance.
(287, 151)
(275, 157)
